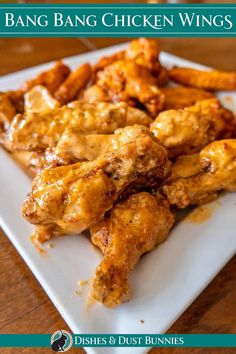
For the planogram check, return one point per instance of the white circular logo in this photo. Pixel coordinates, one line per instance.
(61, 341)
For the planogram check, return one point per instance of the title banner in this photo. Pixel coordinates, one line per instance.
(115, 20)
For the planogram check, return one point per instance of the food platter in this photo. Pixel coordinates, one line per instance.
(164, 283)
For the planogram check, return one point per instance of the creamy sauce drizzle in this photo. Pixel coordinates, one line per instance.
(199, 215)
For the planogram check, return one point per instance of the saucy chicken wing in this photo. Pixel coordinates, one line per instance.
(187, 130)
(218, 172)
(69, 199)
(77, 146)
(133, 227)
(38, 131)
(209, 80)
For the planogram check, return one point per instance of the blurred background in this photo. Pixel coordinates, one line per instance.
(19, 53)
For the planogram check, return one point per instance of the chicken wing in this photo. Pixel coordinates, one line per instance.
(188, 130)
(51, 78)
(71, 198)
(144, 52)
(127, 81)
(218, 172)
(133, 227)
(209, 80)
(38, 131)
(108, 60)
(180, 97)
(77, 146)
(73, 84)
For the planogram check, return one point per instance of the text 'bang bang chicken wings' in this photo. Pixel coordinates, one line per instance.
(98, 141)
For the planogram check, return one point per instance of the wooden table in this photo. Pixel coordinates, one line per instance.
(24, 306)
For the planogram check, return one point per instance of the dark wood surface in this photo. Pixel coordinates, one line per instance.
(24, 306)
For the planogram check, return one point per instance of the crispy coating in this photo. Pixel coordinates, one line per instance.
(144, 52)
(51, 78)
(38, 131)
(108, 60)
(69, 199)
(127, 81)
(208, 80)
(133, 227)
(180, 97)
(188, 130)
(73, 84)
(218, 172)
(7, 112)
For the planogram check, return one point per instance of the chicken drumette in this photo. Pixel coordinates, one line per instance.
(129, 82)
(38, 131)
(71, 198)
(133, 227)
(218, 172)
(187, 130)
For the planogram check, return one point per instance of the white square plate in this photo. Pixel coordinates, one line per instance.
(164, 283)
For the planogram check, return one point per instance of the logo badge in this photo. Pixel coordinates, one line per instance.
(61, 341)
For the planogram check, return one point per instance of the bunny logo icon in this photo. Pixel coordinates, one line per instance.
(61, 341)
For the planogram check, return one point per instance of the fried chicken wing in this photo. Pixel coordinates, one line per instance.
(127, 81)
(38, 131)
(218, 172)
(180, 97)
(51, 78)
(73, 84)
(133, 227)
(209, 80)
(144, 52)
(77, 146)
(108, 60)
(71, 198)
(188, 130)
